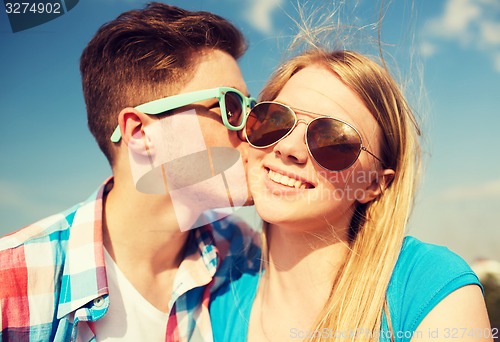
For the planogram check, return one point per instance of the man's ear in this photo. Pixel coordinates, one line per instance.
(132, 123)
(377, 185)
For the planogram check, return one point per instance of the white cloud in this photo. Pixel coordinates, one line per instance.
(456, 19)
(428, 49)
(496, 61)
(487, 190)
(472, 23)
(259, 14)
(490, 32)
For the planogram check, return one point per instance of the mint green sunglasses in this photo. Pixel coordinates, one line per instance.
(232, 102)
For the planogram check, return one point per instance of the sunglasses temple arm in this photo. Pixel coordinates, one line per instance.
(374, 156)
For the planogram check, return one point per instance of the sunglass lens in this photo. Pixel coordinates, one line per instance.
(333, 144)
(234, 108)
(267, 123)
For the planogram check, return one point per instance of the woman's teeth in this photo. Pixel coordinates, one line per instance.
(285, 180)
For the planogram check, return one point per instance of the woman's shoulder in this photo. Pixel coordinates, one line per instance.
(421, 259)
(416, 252)
(423, 266)
(423, 276)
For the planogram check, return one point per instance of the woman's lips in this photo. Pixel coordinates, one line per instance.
(289, 181)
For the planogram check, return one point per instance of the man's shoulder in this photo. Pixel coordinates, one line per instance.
(56, 227)
(234, 232)
(30, 260)
(238, 243)
(51, 228)
(239, 247)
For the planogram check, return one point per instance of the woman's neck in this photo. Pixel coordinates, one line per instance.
(298, 279)
(304, 261)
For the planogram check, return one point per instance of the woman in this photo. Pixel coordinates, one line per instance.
(332, 171)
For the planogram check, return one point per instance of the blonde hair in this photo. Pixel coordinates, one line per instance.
(358, 298)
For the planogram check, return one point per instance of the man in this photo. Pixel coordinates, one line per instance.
(124, 265)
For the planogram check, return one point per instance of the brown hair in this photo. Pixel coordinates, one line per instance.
(358, 298)
(143, 55)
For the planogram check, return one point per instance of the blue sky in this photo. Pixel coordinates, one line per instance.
(448, 53)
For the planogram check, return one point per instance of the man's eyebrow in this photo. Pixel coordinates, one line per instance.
(247, 93)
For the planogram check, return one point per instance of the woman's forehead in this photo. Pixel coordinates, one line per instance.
(318, 90)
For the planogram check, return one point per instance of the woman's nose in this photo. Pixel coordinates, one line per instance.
(293, 147)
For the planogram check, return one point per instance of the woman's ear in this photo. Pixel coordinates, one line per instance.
(377, 185)
(132, 123)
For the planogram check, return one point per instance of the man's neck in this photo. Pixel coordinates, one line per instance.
(141, 233)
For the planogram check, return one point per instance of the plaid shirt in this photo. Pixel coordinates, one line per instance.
(54, 285)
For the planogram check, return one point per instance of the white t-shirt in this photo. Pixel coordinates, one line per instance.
(132, 319)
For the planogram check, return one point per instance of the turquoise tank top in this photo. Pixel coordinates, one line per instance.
(424, 274)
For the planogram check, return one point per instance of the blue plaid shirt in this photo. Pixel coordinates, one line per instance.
(54, 285)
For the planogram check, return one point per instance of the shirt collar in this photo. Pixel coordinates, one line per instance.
(84, 274)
